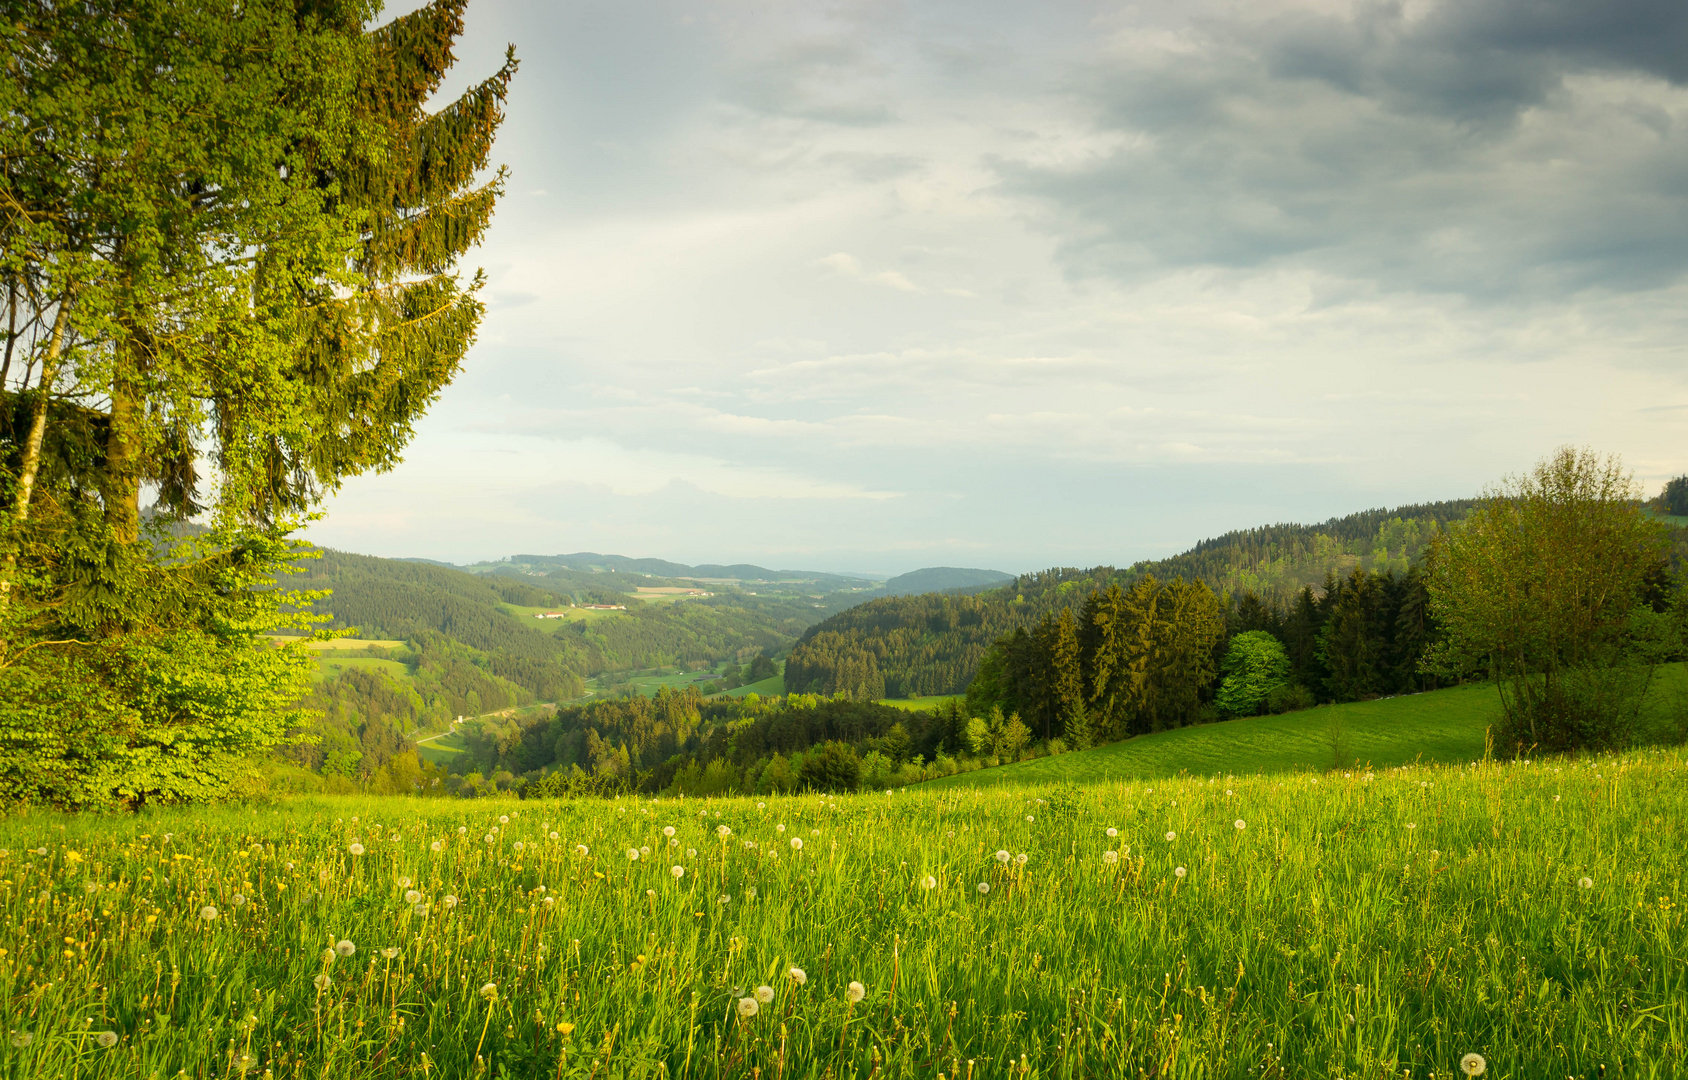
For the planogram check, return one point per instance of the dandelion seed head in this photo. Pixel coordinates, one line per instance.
(747, 1007)
(518, 846)
(208, 913)
(22, 1039)
(1171, 836)
(238, 900)
(1473, 1065)
(798, 976)
(323, 982)
(677, 871)
(580, 849)
(356, 849)
(764, 994)
(632, 854)
(436, 846)
(856, 992)
(668, 830)
(1110, 857)
(404, 883)
(797, 843)
(1021, 859)
(1585, 883)
(345, 948)
(723, 832)
(411, 896)
(504, 819)
(490, 838)
(984, 887)
(389, 952)
(1003, 857)
(929, 882)
(1179, 872)
(490, 991)
(1112, 832)
(1240, 824)
(106, 1039)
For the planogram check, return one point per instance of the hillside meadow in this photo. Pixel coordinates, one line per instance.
(1352, 924)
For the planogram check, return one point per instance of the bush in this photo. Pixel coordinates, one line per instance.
(1289, 697)
(832, 766)
(1255, 664)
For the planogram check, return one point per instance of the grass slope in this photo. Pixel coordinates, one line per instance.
(1440, 725)
(914, 704)
(1373, 926)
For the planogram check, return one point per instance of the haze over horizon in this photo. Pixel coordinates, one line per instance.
(887, 285)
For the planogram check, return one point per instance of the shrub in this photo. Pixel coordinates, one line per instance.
(832, 766)
(1289, 697)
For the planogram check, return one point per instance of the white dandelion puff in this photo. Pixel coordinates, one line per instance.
(1240, 824)
(668, 830)
(580, 849)
(436, 846)
(1110, 857)
(1179, 872)
(747, 1007)
(323, 982)
(764, 994)
(1171, 836)
(780, 827)
(450, 901)
(1021, 859)
(1473, 1065)
(1003, 857)
(238, 900)
(797, 843)
(929, 882)
(677, 871)
(855, 992)
(389, 952)
(462, 830)
(1112, 832)
(404, 883)
(632, 854)
(518, 846)
(106, 1039)
(22, 1039)
(1585, 883)
(419, 910)
(490, 991)
(1030, 819)
(356, 849)
(984, 887)
(555, 837)
(490, 838)
(411, 896)
(345, 948)
(208, 913)
(723, 832)
(798, 976)
(504, 819)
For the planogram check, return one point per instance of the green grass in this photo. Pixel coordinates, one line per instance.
(527, 615)
(1440, 725)
(327, 667)
(915, 704)
(1379, 925)
(770, 687)
(442, 749)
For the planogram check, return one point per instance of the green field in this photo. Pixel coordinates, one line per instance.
(915, 704)
(769, 687)
(1440, 725)
(327, 667)
(442, 749)
(528, 615)
(1375, 925)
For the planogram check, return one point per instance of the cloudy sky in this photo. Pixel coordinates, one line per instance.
(872, 286)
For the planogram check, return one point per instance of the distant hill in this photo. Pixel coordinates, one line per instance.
(592, 562)
(941, 579)
(913, 646)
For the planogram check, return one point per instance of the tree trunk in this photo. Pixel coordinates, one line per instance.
(38, 423)
(121, 489)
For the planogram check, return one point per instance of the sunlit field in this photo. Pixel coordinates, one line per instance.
(1387, 924)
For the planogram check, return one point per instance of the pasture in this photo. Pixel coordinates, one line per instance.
(1379, 923)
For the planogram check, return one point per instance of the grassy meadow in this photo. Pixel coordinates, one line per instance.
(1360, 924)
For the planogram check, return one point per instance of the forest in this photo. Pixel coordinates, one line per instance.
(933, 644)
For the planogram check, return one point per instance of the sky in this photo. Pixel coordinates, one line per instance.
(874, 286)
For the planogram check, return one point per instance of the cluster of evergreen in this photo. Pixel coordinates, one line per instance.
(934, 644)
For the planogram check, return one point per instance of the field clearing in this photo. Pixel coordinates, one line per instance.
(441, 748)
(1378, 924)
(328, 667)
(1439, 725)
(527, 615)
(916, 704)
(343, 643)
(772, 686)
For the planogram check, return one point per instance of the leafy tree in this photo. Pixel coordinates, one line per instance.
(1543, 588)
(833, 766)
(1255, 665)
(229, 234)
(1674, 499)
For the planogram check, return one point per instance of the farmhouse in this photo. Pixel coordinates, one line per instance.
(551, 615)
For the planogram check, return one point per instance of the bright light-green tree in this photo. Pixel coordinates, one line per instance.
(1255, 664)
(229, 237)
